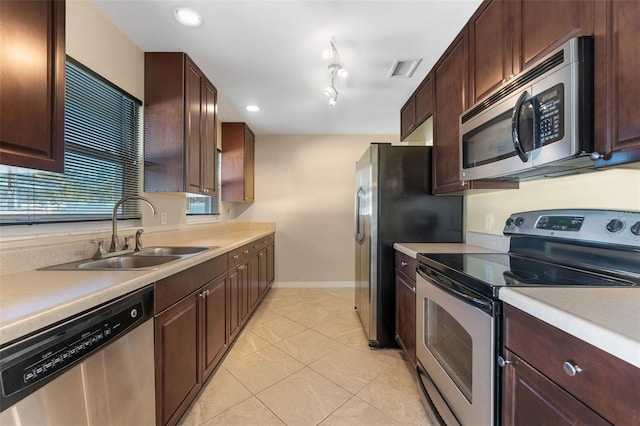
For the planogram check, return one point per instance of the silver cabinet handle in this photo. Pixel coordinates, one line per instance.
(414, 289)
(503, 362)
(404, 263)
(245, 251)
(235, 257)
(260, 254)
(571, 369)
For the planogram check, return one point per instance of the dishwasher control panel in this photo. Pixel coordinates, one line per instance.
(34, 362)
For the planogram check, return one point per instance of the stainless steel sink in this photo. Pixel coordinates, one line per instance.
(144, 259)
(170, 251)
(127, 262)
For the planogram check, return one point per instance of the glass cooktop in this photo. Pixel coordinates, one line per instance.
(486, 272)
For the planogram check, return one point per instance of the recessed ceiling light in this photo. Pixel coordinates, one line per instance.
(253, 108)
(188, 17)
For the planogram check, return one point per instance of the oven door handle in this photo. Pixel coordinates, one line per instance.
(459, 292)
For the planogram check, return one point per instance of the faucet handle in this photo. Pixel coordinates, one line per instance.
(101, 252)
(126, 241)
(138, 236)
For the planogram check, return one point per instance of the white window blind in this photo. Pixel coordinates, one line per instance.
(103, 159)
(203, 204)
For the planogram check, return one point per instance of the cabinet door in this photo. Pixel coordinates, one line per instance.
(249, 164)
(406, 315)
(529, 398)
(254, 280)
(262, 272)
(178, 377)
(243, 279)
(208, 140)
(271, 251)
(617, 88)
(490, 53)
(451, 100)
(32, 100)
(214, 323)
(424, 100)
(234, 304)
(193, 115)
(407, 117)
(540, 26)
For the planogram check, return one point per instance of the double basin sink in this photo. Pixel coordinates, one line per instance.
(143, 259)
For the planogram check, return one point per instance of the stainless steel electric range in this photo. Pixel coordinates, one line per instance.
(459, 314)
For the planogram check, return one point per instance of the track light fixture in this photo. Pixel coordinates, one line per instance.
(335, 69)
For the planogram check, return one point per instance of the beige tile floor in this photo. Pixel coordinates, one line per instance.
(303, 359)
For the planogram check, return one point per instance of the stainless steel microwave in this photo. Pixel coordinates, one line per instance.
(540, 123)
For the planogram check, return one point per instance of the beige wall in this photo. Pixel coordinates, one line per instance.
(95, 42)
(305, 184)
(616, 189)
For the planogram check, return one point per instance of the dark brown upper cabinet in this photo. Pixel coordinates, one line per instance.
(617, 88)
(490, 48)
(179, 125)
(238, 162)
(451, 95)
(32, 78)
(417, 109)
(540, 26)
(506, 37)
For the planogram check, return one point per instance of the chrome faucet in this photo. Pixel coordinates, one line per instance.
(115, 244)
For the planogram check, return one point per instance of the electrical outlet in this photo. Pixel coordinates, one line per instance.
(163, 218)
(488, 222)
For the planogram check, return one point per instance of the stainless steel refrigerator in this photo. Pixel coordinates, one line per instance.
(393, 203)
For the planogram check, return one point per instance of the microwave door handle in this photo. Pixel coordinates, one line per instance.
(515, 128)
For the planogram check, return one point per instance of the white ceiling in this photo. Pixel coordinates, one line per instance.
(269, 53)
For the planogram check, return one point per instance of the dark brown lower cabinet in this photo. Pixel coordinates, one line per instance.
(406, 315)
(405, 283)
(199, 313)
(262, 272)
(238, 300)
(178, 377)
(532, 399)
(554, 378)
(254, 281)
(215, 317)
(271, 254)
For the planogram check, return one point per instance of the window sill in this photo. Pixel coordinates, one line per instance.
(200, 219)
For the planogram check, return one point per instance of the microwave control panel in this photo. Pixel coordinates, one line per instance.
(549, 115)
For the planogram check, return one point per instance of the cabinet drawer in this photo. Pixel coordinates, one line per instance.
(258, 245)
(171, 289)
(407, 265)
(606, 384)
(238, 255)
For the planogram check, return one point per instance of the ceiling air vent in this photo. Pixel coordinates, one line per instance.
(403, 68)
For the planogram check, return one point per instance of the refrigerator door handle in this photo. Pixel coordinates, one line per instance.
(359, 237)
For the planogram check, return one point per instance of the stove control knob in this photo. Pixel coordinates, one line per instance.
(615, 225)
(509, 222)
(635, 229)
(519, 221)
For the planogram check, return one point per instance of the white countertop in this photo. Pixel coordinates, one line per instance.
(32, 300)
(607, 318)
(412, 249)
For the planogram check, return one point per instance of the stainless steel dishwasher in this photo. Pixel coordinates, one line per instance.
(96, 368)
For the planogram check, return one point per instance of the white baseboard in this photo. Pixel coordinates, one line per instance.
(315, 284)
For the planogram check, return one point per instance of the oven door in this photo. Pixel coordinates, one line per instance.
(455, 346)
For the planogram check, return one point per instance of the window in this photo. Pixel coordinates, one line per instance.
(103, 159)
(203, 204)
